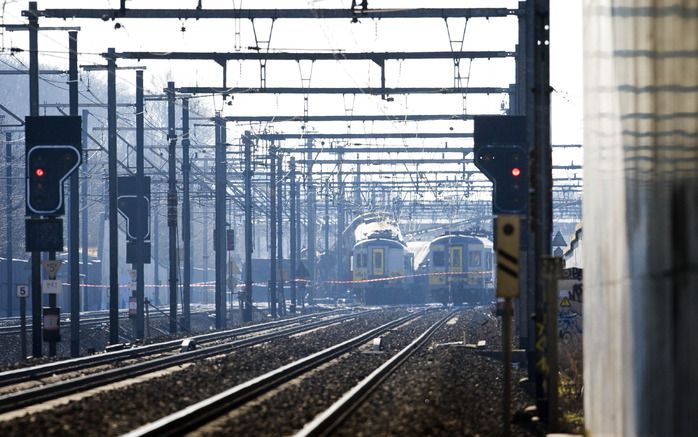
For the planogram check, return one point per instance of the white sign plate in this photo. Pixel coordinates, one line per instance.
(23, 291)
(51, 286)
(134, 279)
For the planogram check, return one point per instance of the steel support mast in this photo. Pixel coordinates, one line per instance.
(186, 217)
(247, 301)
(172, 204)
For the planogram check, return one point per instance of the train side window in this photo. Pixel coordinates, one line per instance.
(364, 260)
(439, 258)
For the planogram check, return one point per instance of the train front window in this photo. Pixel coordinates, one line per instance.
(378, 260)
(475, 259)
(439, 259)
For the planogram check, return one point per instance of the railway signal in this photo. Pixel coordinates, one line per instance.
(53, 153)
(501, 154)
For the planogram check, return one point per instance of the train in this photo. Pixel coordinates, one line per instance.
(454, 268)
(459, 268)
(380, 263)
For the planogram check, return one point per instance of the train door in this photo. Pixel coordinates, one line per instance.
(457, 259)
(378, 256)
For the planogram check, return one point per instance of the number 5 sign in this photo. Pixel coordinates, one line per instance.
(23, 291)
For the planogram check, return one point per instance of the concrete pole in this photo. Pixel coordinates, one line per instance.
(272, 230)
(8, 215)
(220, 207)
(34, 110)
(74, 207)
(292, 185)
(113, 230)
(186, 217)
(280, 225)
(86, 301)
(247, 302)
(140, 176)
(312, 221)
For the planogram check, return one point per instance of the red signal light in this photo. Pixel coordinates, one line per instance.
(39, 172)
(516, 171)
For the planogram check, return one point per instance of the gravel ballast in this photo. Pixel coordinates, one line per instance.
(442, 390)
(117, 411)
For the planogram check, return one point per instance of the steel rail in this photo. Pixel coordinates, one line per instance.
(326, 422)
(204, 411)
(37, 395)
(123, 314)
(15, 376)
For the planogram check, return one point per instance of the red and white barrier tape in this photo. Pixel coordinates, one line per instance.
(210, 284)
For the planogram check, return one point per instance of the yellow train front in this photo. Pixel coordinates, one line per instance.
(379, 266)
(460, 269)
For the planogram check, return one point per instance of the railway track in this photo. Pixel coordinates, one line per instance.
(16, 376)
(329, 420)
(12, 326)
(32, 396)
(204, 412)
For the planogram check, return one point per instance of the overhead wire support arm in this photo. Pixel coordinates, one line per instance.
(343, 90)
(373, 117)
(196, 14)
(377, 57)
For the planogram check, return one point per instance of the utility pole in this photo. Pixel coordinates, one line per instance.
(84, 222)
(292, 225)
(312, 219)
(8, 215)
(186, 217)
(74, 207)
(220, 209)
(272, 229)
(140, 182)
(172, 203)
(247, 302)
(113, 230)
(279, 239)
(34, 110)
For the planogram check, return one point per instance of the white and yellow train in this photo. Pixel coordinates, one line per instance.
(459, 269)
(453, 268)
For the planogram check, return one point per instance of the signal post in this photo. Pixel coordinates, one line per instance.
(53, 153)
(502, 155)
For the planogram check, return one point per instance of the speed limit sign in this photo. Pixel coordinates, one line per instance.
(23, 291)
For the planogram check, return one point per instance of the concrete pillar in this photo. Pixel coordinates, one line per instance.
(640, 211)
